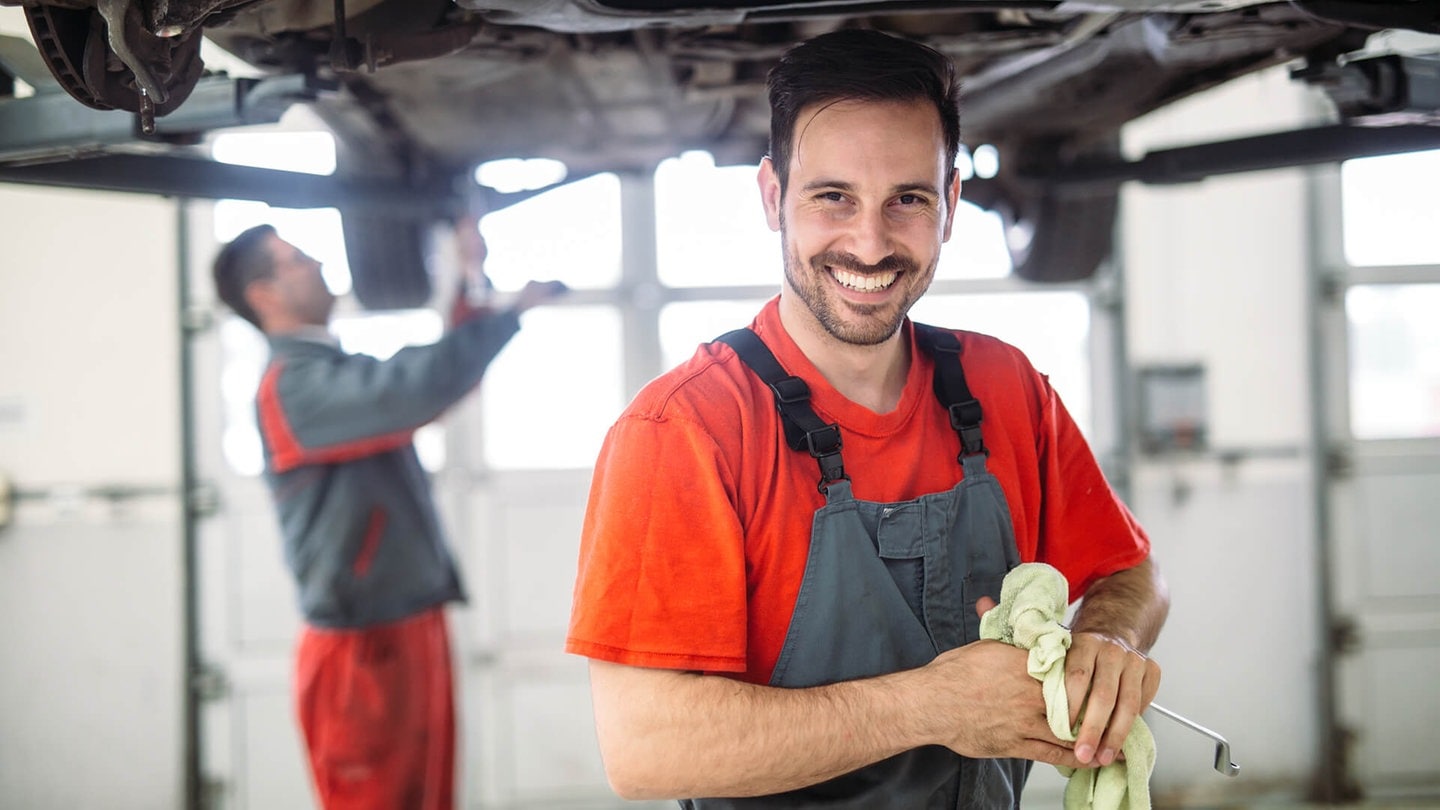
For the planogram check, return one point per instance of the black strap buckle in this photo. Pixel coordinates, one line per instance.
(951, 389)
(824, 446)
(790, 390)
(965, 414)
(823, 441)
(965, 419)
(804, 430)
(832, 469)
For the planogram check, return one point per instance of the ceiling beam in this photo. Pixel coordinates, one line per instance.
(208, 179)
(54, 126)
(1279, 150)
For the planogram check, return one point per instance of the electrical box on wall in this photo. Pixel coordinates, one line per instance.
(1172, 408)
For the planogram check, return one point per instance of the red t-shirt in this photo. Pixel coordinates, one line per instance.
(698, 525)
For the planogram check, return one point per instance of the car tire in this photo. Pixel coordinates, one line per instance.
(1054, 234)
(1055, 238)
(388, 267)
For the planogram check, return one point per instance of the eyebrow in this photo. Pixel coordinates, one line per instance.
(841, 185)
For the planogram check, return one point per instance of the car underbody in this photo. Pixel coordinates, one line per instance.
(419, 92)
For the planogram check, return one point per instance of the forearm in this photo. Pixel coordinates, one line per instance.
(1130, 605)
(420, 382)
(668, 734)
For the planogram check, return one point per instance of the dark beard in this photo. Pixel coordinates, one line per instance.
(876, 328)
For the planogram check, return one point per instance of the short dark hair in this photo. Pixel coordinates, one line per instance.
(244, 260)
(859, 65)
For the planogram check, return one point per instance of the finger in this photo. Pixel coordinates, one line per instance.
(1104, 687)
(983, 605)
(1137, 688)
(1151, 685)
(1127, 708)
(1079, 670)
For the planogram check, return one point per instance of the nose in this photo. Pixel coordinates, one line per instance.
(870, 236)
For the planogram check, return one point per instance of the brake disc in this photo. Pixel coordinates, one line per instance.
(78, 48)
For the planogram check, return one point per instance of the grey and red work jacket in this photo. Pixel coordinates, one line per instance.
(362, 536)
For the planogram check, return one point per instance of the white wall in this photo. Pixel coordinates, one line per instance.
(1216, 274)
(90, 644)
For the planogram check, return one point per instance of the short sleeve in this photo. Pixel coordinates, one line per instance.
(1086, 530)
(662, 578)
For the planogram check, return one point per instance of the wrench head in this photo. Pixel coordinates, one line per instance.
(1223, 763)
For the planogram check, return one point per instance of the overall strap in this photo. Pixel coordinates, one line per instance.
(804, 430)
(950, 388)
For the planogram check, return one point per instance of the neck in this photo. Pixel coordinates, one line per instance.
(872, 376)
(288, 325)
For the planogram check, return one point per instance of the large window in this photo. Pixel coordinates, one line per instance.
(1392, 209)
(550, 396)
(684, 325)
(1394, 360)
(571, 233)
(318, 232)
(1391, 213)
(711, 230)
(711, 234)
(709, 227)
(555, 389)
(1051, 328)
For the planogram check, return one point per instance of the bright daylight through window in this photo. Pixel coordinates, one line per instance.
(1391, 212)
(318, 233)
(560, 383)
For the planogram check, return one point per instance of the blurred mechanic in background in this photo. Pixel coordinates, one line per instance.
(373, 688)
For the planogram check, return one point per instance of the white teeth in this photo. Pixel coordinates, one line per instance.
(859, 283)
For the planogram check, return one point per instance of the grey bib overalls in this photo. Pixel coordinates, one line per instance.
(887, 587)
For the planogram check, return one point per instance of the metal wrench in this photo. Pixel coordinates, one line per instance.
(1223, 763)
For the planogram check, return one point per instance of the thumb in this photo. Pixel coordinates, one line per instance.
(983, 605)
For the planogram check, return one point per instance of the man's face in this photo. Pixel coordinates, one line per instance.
(298, 285)
(864, 214)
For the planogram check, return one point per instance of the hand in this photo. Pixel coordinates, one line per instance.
(987, 705)
(1113, 682)
(470, 246)
(472, 250)
(538, 292)
(469, 242)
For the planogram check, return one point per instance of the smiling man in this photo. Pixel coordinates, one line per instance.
(791, 536)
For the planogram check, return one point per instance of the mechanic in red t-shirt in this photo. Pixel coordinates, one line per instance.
(790, 537)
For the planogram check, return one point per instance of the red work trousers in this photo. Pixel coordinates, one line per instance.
(377, 709)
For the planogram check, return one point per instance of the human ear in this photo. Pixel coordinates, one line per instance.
(952, 198)
(769, 182)
(260, 295)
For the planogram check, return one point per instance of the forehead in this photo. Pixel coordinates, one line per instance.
(280, 250)
(854, 136)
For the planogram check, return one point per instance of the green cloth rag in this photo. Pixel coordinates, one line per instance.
(1032, 603)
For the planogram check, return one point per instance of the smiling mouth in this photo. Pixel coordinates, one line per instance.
(864, 283)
